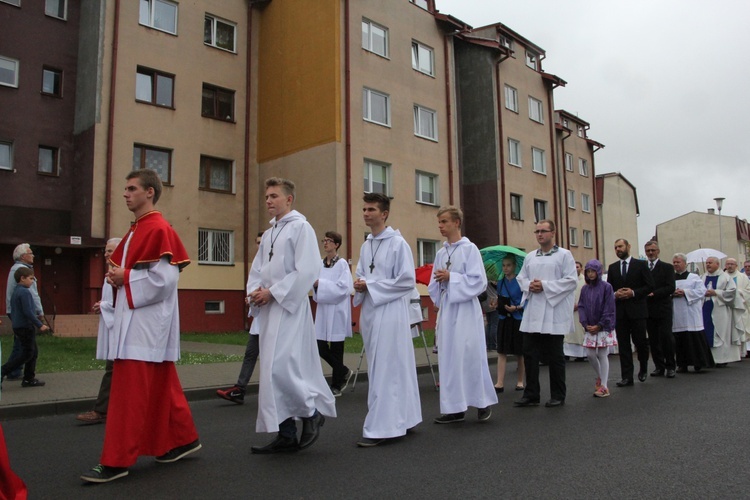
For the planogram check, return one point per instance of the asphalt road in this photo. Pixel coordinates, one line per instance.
(681, 438)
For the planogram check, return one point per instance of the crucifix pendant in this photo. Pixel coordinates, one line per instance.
(270, 255)
(448, 264)
(372, 266)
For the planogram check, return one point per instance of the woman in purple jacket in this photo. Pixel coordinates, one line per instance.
(596, 312)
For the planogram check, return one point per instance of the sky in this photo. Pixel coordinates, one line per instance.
(665, 85)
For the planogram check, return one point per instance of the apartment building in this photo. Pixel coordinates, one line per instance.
(617, 212)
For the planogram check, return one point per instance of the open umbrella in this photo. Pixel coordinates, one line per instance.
(493, 260)
(423, 274)
(702, 254)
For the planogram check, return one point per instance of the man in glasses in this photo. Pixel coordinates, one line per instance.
(548, 281)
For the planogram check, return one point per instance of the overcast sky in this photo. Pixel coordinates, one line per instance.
(665, 85)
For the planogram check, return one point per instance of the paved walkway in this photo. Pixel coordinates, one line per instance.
(68, 392)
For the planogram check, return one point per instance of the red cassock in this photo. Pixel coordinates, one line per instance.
(11, 486)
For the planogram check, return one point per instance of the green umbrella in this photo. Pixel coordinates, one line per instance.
(493, 260)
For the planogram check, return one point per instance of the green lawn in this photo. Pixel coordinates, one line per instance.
(64, 354)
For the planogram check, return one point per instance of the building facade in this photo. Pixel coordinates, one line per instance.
(617, 205)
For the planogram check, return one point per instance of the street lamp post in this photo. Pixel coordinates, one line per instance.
(719, 203)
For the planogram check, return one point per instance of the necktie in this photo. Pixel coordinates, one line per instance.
(651, 266)
(624, 267)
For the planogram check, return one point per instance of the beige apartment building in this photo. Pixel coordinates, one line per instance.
(617, 205)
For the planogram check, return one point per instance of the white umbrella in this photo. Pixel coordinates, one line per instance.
(702, 254)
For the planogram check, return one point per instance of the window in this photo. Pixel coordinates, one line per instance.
(55, 8)
(514, 152)
(580, 131)
(219, 33)
(214, 307)
(217, 103)
(421, 3)
(587, 241)
(511, 98)
(427, 250)
(538, 161)
(6, 155)
(8, 72)
(216, 174)
(425, 122)
(52, 82)
(573, 237)
(422, 58)
(157, 159)
(571, 199)
(376, 107)
(17, 3)
(540, 210)
(154, 87)
(215, 247)
(531, 60)
(505, 41)
(585, 203)
(565, 122)
(48, 160)
(374, 38)
(377, 177)
(536, 110)
(568, 162)
(426, 188)
(516, 202)
(159, 14)
(583, 167)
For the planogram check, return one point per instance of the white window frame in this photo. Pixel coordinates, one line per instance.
(210, 310)
(367, 37)
(420, 180)
(583, 167)
(417, 61)
(536, 110)
(368, 165)
(9, 146)
(422, 118)
(367, 94)
(519, 211)
(585, 202)
(505, 41)
(573, 236)
(421, 250)
(214, 22)
(16, 69)
(210, 235)
(63, 3)
(568, 162)
(580, 131)
(532, 60)
(514, 149)
(511, 98)
(540, 205)
(571, 199)
(538, 160)
(146, 14)
(422, 4)
(588, 241)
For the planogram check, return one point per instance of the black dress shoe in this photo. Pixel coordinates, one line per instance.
(625, 382)
(311, 429)
(657, 373)
(670, 373)
(279, 445)
(526, 402)
(554, 402)
(642, 376)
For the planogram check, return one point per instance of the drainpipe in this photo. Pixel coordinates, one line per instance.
(246, 180)
(111, 125)
(449, 113)
(565, 185)
(501, 149)
(555, 180)
(348, 132)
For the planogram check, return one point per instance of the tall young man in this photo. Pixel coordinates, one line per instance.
(385, 280)
(148, 413)
(291, 378)
(458, 278)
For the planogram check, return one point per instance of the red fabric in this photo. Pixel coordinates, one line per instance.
(11, 486)
(148, 413)
(423, 274)
(153, 238)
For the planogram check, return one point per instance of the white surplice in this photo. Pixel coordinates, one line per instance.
(551, 310)
(687, 311)
(333, 316)
(741, 308)
(573, 343)
(726, 335)
(464, 373)
(393, 396)
(106, 315)
(291, 377)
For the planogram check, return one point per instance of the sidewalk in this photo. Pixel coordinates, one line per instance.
(71, 392)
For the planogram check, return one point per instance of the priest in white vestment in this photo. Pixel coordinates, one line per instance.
(691, 348)
(741, 307)
(722, 335)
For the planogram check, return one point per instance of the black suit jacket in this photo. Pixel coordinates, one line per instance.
(638, 279)
(660, 305)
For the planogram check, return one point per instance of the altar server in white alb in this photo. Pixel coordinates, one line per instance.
(457, 280)
(291, 378)
(385, 280)
(333, 317)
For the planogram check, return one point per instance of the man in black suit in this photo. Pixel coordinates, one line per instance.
(632, 282)
(659, 323)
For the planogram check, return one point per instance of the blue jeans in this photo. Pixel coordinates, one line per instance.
(490, 330)
(248, 362)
